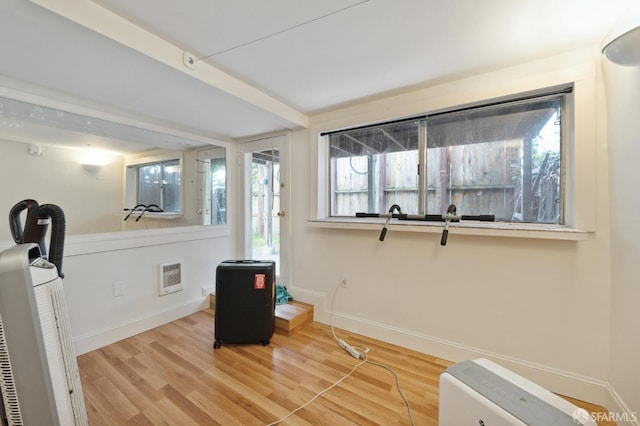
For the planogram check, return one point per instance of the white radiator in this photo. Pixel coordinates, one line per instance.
(39, 374)
(480, 392)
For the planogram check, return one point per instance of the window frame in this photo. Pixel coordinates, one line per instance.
(579, 145)
(422, 148)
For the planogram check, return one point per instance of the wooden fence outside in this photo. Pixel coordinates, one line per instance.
(487, 179)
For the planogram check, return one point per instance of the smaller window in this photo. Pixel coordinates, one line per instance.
(155, 180)
(374, 167)
(159, 184)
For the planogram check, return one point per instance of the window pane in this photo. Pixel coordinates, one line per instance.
(265, 203)
(170, 201)
(373, 167)
(502, 160)
(159, 184)
(149, 184)
(218, 191)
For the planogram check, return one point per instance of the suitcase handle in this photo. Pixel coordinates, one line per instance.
(246, 261)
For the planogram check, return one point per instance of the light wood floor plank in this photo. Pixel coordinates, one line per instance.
(134, 388)
(171, 375)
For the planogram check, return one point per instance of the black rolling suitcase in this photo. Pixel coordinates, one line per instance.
(245, 302)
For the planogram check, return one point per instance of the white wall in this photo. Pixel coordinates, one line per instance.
(623, 98)
(93, 263)
(538, 306)
(90, 200)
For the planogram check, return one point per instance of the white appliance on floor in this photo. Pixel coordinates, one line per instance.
(480, 392)
(39, 375)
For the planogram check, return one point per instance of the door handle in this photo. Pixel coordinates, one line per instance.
(281, 213)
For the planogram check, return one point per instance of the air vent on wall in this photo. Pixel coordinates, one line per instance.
(170, 278)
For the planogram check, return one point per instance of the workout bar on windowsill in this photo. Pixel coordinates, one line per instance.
(431, 217)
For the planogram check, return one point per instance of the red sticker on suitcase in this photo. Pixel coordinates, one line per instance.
(260, 282)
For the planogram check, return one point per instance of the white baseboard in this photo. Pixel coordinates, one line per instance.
(617, 406)
(104, 337)
(559, 381)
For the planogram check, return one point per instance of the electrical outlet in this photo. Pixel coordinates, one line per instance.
(344, 283)
(118, 288)
(206, 291)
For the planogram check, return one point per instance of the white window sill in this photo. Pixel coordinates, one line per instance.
(152, 215)
(493, 229)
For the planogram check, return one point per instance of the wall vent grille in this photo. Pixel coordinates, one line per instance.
(170, 278)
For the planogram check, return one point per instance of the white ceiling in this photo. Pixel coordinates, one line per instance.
(268, 65)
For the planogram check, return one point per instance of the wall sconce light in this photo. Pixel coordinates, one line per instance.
(622, 44)
(93, 160)
(92, 168)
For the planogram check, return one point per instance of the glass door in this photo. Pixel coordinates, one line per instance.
(265, 202)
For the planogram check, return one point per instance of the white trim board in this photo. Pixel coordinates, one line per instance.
(79, 245)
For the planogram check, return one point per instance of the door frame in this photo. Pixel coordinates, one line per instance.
(281, 141)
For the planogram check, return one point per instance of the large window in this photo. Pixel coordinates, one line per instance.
(503, 159)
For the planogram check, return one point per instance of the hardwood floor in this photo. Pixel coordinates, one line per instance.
(171, 375)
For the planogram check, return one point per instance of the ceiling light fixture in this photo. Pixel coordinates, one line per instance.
(189, 60)
(622, 44)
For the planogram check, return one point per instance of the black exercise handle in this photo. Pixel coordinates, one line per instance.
(383, 215)
(361, 214)
(481, 217)
(383, 233)
(443, 239)
(443, 218)
(424, 218)
(395, 207)
(133, 210)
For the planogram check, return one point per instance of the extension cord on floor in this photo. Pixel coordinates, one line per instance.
(347, 347)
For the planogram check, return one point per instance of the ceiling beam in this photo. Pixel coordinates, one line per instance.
(368, 149)
(104, 22)
(392, 139)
